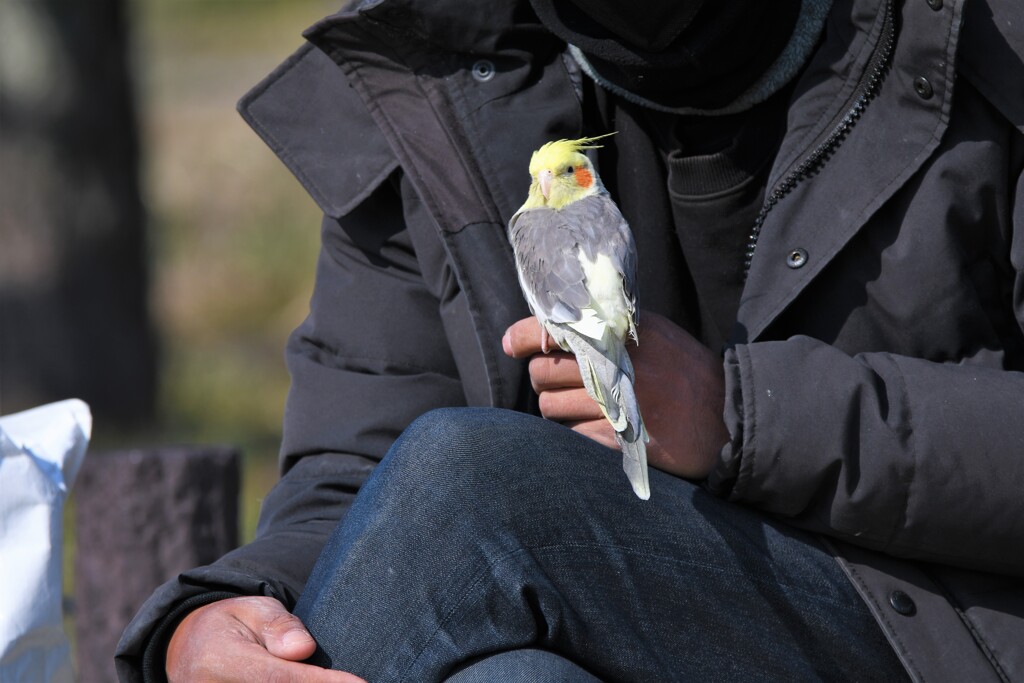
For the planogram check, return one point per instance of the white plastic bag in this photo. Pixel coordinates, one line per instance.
(40, 453)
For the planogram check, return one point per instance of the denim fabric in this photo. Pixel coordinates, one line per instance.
(486, 531)
(522, 666)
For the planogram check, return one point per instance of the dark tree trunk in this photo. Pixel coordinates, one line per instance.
(73, 275)
(141, 518)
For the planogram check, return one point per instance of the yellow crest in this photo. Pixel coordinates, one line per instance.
(557, 152)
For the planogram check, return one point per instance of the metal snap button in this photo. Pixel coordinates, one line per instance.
(483, 70)
(902, 603)
(935, 4)
(796, 258)
(923, 88)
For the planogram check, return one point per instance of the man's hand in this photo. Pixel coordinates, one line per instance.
(680, 386)
(245, 639)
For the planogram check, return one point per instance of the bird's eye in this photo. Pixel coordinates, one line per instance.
(570, 170)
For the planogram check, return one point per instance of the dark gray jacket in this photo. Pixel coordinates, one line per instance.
(876, 385)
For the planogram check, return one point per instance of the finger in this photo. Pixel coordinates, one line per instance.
(284, 636)
(257, 664)
(522, 339)
(598, 430)
(557, 370)
(304, 673)
(569, 405)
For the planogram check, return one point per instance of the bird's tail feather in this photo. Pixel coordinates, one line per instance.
(608, 378)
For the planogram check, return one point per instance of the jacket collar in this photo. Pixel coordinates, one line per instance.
(447, 114)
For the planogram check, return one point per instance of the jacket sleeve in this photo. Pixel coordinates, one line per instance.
(916, 459)
(358, 378)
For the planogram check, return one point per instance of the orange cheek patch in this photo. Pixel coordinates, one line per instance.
(583, 177)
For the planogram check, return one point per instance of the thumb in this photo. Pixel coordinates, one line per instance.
(284, 636)
(522, 339)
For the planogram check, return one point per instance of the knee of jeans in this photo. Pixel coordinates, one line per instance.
(455, 436)
(455, 449)
(443, 426)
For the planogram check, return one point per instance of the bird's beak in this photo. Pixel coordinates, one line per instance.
(544, 179)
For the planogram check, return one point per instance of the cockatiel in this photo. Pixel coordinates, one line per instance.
(576, 260)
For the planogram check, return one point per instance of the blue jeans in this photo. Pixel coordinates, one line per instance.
(485, 531)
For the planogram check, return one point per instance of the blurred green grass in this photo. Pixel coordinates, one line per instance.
(232, 236)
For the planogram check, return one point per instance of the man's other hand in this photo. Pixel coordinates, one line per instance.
(245, 639)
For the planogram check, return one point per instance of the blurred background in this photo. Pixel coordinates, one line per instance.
(154, 254)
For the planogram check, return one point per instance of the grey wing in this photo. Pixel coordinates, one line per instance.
(605, 231)
(545, 247)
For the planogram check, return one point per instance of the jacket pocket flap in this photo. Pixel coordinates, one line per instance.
(319, 127)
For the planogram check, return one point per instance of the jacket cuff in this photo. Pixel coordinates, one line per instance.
(723, 478)
(154, 654)
(140, 654)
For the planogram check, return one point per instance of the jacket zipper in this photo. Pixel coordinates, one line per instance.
(868, 87)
